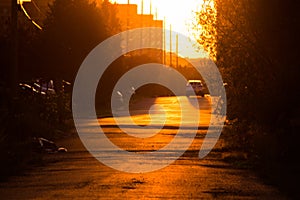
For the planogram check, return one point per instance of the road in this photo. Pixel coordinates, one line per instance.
(78, 175)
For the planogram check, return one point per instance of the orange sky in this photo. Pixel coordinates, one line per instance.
(177, 13)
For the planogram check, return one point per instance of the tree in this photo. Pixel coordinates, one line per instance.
(257, 52)
(248, 38)
(72, 29)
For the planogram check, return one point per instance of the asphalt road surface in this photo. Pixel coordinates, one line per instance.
(78, 175)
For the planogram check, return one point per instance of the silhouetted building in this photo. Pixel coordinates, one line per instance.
(130, 19)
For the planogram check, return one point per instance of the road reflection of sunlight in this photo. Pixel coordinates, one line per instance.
(162, 137)
(169, 106)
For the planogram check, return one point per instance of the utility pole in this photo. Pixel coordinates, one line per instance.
(170, 45)
(127, 24)
(151, 25)
(14, 48)
(142, 7)
(142, 25)
(177, 50)
(164, 41)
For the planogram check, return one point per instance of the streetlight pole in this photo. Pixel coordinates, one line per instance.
(14, 48)
(177, 50)
(170, 45)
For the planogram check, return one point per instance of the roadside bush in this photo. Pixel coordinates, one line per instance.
(28, 116)
(271, 152)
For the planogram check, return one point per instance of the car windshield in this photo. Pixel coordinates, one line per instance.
(194, 83)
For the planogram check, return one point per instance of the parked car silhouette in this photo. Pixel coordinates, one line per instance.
(38, 87)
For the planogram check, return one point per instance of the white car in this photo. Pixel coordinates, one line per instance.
(194, 87)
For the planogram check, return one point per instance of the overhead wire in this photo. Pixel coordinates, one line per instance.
(28, 16)
(35, 5)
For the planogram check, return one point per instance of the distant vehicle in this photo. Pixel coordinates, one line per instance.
(67, 86)
(38, 87)
(44, 87)
(194, 87)
(28, 89)
(120, 97)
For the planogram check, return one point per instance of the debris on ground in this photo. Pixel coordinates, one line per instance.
(44, 145)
